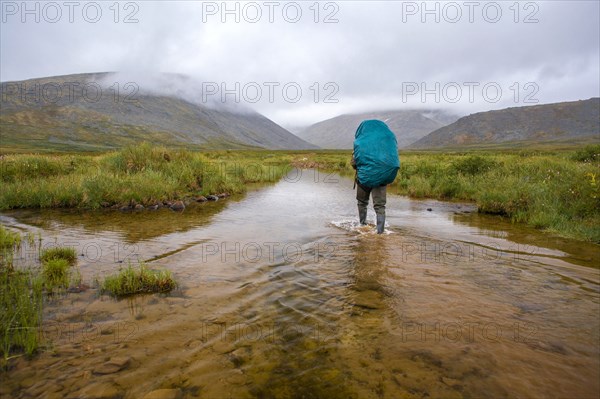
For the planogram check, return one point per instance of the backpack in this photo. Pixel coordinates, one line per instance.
(375, 154)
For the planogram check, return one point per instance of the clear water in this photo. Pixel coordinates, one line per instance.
(283, 295)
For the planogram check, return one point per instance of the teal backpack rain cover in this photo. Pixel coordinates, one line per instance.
(375, 154)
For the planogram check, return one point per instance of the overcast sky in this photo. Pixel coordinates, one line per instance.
(302, 62)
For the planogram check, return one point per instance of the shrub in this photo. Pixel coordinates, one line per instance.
(473, 165)
(590, 153)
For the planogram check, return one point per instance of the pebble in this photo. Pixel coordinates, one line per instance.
(201, 198)
(212, 198)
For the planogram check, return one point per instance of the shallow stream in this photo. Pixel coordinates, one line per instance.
(282, 295)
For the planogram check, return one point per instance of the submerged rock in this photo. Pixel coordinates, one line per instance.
(138, 207)
(451, 382)
(369, 299)
(101, 390)
(201, 198)
(164, 394)
(238, 357)
(177, 206)
(76, 289)
(114, 365)
(212, 198)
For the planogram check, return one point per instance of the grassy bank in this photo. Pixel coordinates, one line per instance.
(558, 191)
(142, 174)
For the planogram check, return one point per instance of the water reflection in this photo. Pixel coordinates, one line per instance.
(130, 226)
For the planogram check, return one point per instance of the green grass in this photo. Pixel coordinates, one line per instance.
(22, 291)
(137, 280)
(21, 297)
(56, 274)
(558, 192)
(20, 311)
(57, 269)
(66, 254)
(143, 174)
(8, 239)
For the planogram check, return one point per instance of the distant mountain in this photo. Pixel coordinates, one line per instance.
(83, 112)
(408, 125)
(572, 122)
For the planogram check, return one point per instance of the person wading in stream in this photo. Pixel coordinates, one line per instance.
(375, 159)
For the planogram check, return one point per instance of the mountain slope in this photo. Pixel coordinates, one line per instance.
(559, 122)
(84, 112)
(408, 125)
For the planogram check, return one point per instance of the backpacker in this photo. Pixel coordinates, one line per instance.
(375, 154)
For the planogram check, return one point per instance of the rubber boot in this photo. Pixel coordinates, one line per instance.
(362, 216)
(380, 223)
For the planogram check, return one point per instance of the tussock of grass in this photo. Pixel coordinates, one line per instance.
(138, 280)
(59, 253)
(8, 239)
(20, 311)
(22, 293)
(56, 274)
(20, 302)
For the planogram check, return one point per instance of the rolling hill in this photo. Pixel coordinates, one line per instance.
(83, 112)
(567, 122)
(408, 125)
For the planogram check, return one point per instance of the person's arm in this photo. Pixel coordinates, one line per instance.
(353, 161)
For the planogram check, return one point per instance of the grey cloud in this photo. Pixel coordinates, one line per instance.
(371, 54)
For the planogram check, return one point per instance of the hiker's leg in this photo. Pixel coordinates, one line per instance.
(379, 199)
(362, 197)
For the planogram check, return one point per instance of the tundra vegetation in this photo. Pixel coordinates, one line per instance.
(554, 190)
